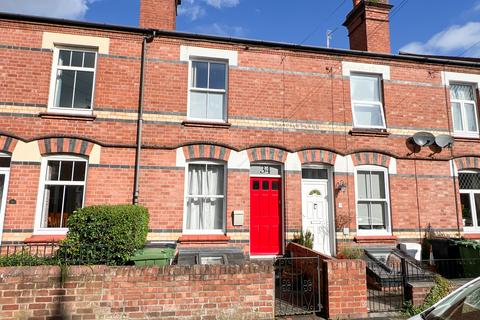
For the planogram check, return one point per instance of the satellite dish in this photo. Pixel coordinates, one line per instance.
(444, 140)
(423, 139)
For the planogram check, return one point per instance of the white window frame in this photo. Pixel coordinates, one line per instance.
(38, 229)
(388, 218)
(186, 195)
(53, 80)
(6, 172)
(207, 90)
(464, 133)
(377, 103)
(471, 192)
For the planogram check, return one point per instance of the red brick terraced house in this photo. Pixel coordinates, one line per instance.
(234, 143)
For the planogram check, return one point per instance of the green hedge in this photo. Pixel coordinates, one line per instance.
(107, 234)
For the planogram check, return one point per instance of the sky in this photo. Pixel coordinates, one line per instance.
(443, 27)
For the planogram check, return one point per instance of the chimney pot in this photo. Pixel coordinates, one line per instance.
(158, 14)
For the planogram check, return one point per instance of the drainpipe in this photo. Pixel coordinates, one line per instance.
(146, 40)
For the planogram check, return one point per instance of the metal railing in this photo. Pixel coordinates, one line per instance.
(53, 253)
(297, 286)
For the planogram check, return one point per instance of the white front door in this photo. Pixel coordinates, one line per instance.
(315, 214)
(3, 197)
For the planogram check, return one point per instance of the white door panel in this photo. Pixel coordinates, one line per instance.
(315, 212)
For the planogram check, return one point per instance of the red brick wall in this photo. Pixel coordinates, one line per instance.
(158, 14)
(346, 288)
(197, 292)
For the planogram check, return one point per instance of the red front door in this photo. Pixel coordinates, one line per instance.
(265, 216)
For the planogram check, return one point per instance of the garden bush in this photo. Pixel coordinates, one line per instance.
(106, 234)
(24, 258)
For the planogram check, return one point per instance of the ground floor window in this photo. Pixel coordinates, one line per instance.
(372, 199)
(205, 198)
(470, 199)
(62, 189)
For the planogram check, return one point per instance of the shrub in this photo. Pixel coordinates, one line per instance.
(305, 240)
(440, 290)
(350, 252)
(107, 234)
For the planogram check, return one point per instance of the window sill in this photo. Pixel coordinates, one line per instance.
(369, 132)
(375, 239)
(471, 235)
(206, 238)
(206, 124)
(66, 116)
(44, 238)
(466, 139)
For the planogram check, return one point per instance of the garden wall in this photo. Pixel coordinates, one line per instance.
(173, 292)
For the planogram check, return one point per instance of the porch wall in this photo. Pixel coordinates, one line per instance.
(197, 292)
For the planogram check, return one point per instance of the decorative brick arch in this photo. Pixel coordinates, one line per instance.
(317, 155)
(467, 163)
(7, 144)
(65, 145)
(267, 154)
(206, 151)
(371, 158)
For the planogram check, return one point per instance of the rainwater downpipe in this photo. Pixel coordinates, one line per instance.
(146, 41)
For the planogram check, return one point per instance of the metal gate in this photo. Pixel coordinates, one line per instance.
(297, 286)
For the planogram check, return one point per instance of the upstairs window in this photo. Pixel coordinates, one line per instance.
(208, 91)
(464, 109)
(372, 199)
(73, 80)
(367, 103)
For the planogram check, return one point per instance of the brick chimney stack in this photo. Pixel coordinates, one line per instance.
(369, 26)
(159, 14)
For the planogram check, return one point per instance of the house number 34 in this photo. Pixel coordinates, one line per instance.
(265, 170)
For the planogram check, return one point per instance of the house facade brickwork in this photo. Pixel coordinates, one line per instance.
(326, 133)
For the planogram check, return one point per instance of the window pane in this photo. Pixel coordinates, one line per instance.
(471, 118)
(83, 90)
(5, 162)
(79, 172)
(204, 214)
(2, 186)
(469, 180)
(275, 185)
(53, 169)
(77, 59)
(256, 185)
(362, 215)
(200, 74)
(73, 201)
(477, 207)
(314, 173)
(66, 171)
(64, 58)
(368, 115)
(365, 88)
(265, 185)
(378, 185)
(89, 60)
(363, 184)
(462, 92)
(198, 105)
(217, 76)
(195, 173)
(64, 88)
(457, 117)
(52, 213)
(466, 210)
(377, 212)
(215, 106)
(214, 180)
